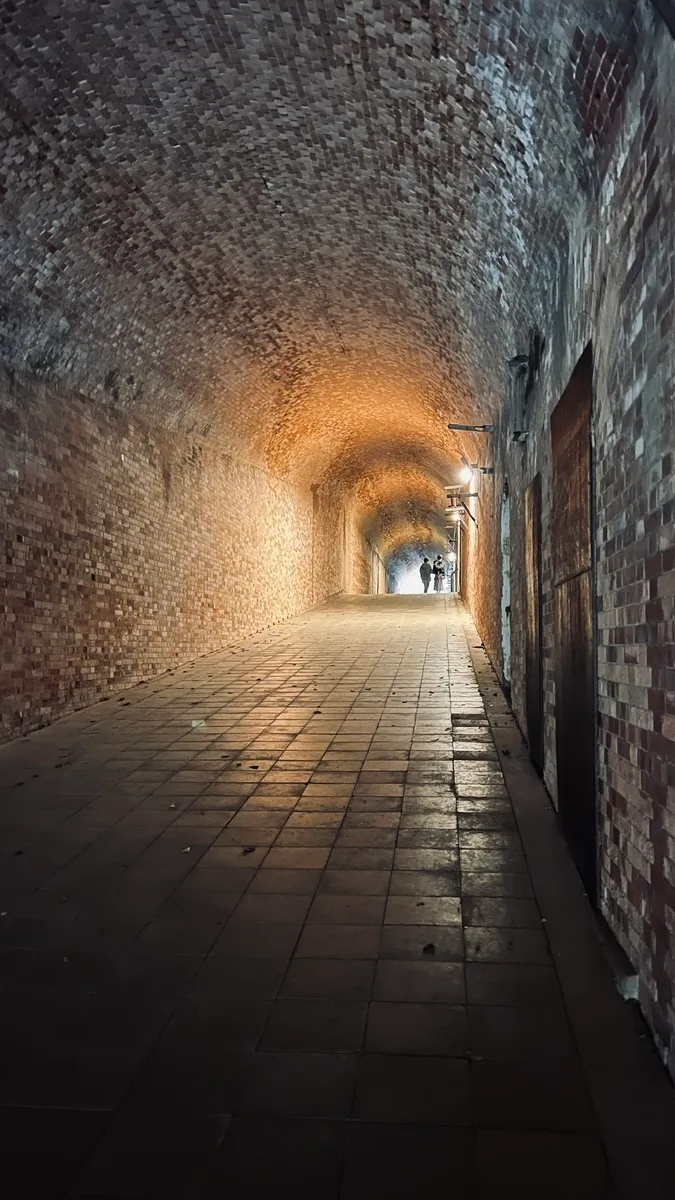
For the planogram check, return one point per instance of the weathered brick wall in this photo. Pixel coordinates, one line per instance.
(635, 486)
(127, 552)
(482, 585)
(358, 556)
(613, 285)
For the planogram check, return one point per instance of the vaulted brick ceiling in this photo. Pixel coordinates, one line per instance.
(311, 230)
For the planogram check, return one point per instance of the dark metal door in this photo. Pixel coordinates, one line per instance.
(534, 691)
(463, 560)
(574, 625)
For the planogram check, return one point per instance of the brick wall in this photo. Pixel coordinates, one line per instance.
(612, 284)
(127, 552)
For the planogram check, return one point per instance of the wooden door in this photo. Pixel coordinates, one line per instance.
(463, 559)
(506, 586)
(534, 690)
(573, 585)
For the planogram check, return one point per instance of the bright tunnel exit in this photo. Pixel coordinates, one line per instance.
(404, 575)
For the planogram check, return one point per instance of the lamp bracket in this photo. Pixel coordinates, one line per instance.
(473, 428)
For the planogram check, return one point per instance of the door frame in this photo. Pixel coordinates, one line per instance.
(505, 609)
(584, 367)
(534, 697)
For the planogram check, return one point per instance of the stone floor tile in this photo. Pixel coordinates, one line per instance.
(331, 979)
(275, 909)
(285, 881)
(535, 1164)
(258, 819)
(366, 839)
(353, 909)
(425, 883)
(236, 856)
(354, 882)
(206, 1078)
(346, 779)
(420, 1091)
(424, 981)
(313, 1086)
(416, 1028)
(522, 985)
(271, 803)
(432, 942)
(509, 912)
(374, 804)
(399, 1160)
(234, 1023)
(70, 1076)
(547, 1095)
(535, 1034)
(251, 940)
(425, 859)
(508, 861)
(479, 804)
(263, 1157)
(360, 859)
(315, 820)
(297, 858)
(161, 1151)
(315, 1025)
(415, 802)
(185, 935)
(432, 910)
(372, 820)
(496, 883)
(506, 945)
(339, 941)
(244, 978)
(301, 838)
(325, 804)
(65, 1137)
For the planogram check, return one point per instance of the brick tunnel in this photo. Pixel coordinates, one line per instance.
(313, 884)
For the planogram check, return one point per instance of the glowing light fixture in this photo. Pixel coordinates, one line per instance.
(466, 475)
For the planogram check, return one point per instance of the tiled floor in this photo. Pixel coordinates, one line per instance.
(269, 928)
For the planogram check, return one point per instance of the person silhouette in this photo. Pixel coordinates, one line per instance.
(439, 573)
(425, 572)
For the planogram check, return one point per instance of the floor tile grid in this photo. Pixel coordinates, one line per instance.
(598, 1160)
(317, 984)
(365, 747)
(157, 789)
(192, 752)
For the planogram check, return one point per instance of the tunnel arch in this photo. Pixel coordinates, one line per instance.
(257, 260)
(265, 258)
(290, 219)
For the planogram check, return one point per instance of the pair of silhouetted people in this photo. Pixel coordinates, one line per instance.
(438, 572)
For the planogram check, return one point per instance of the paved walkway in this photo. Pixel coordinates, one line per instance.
(275, 925)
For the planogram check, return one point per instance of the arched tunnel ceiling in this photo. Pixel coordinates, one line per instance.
(312, 230)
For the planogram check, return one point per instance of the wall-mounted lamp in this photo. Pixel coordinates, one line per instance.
(469, 468)
(474, 428)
